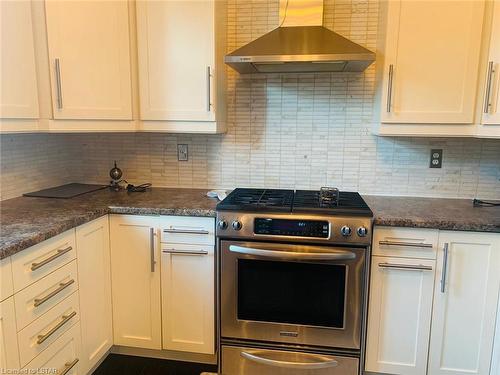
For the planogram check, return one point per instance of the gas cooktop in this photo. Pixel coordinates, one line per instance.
(326, 201)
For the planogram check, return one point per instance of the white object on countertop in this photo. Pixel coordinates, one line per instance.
(219, 194)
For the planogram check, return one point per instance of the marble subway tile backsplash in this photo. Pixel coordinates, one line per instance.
(284, 131)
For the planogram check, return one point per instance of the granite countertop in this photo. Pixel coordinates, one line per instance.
(26, 221)
(437, 213)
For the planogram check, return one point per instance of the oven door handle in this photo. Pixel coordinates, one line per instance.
(323, 361)
(330, 255)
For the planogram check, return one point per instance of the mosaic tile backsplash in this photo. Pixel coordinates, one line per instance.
(285, 131)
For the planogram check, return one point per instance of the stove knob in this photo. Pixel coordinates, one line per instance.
(345, 231)
(236, 225)
(362, 231)
(222, 224)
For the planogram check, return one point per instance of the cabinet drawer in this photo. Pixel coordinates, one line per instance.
(38, 261)
(188, 230)
(6, 287)
(44, 331)
(405, 242)
(63, 355)
(35, 300)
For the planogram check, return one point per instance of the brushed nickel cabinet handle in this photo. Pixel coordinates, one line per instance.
(389, 87)
(68, 366)
(58, 84)
(60, 252)
(187, 252)
(152, 247)
(62, 286)
(186, 231)
(487, 94)
(64, 320)
(445, 266)
(413, 267)
(209, 89)
(405, 244)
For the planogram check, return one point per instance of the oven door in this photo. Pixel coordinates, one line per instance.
(296, 294)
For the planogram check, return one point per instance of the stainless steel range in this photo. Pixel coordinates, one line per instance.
(293, 281)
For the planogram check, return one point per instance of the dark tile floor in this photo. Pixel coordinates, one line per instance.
(116, 364)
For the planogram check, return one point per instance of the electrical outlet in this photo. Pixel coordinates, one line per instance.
(182, 152)
(436, 158)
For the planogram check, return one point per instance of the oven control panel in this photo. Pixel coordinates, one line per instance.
(297, 228)
(292, 227)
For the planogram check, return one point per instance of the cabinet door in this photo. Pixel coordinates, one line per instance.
(94, 275)
(399, 316)
(431, 66)
(19, 95)
(188, 298)
(465, 303)
(176, 59)
(9, 355)
(491, 105)
(135, 280)
(495, 365)
(89, 59)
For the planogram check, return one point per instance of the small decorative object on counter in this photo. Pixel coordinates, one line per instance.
(116, 174)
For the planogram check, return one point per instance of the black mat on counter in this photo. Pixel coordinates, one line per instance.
(65, 191)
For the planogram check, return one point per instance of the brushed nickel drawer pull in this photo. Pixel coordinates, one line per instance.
(60, 252)
(64, 320)
(182, 252)
(68, 366)
(406, 244)
(186, 231)
(413, 267)
(62, 286)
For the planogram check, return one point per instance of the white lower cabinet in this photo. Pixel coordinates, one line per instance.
(135, 280)
(63, 356)
(94, 277)
(9, 354)
(465, 303)
(399, 318)
(188, 295)
(451, 316)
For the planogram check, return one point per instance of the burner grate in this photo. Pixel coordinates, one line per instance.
(258, 199)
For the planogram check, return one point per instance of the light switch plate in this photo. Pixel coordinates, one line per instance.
(436, 158)
(182, 153)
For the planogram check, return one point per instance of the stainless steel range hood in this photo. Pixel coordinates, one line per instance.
(300, 44)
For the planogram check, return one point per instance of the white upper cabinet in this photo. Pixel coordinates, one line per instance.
(89, 55)
(181, 71)
(491, 104)
(465, 303)
(19, 95)
(429, 60)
